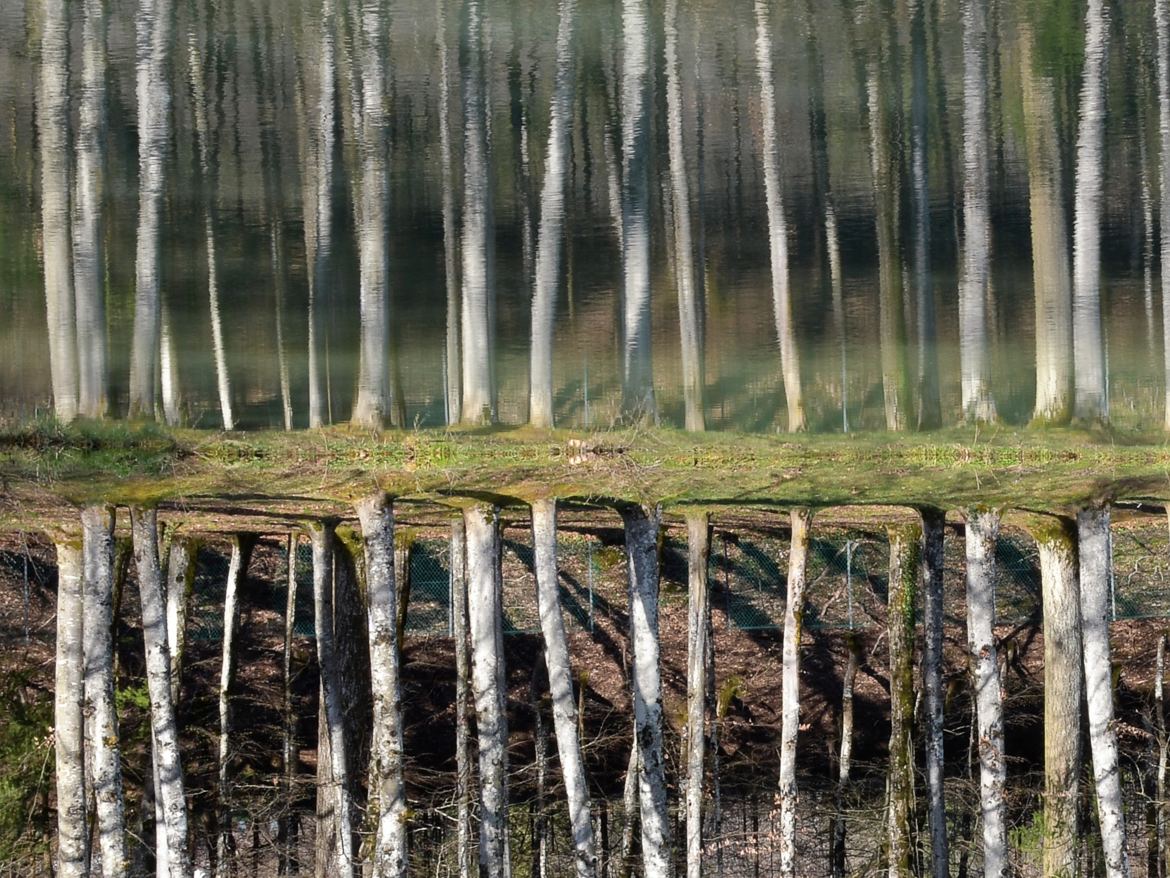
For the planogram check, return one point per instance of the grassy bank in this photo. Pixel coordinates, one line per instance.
(125, 463)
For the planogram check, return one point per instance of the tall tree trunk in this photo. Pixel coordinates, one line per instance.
(552, 219)
(386, 785)
(57, 246)
(982, 533)
(698, 646)
(929, 404)
(629, 810)
(462, 648)
(1162, 856)
(1051, 278)
(539, 815)
(1091, 398)
(978, 404)
(845, 757)
(790, 687)
(289, 753)
(237, 572)
(453, 356)
(371, 206)
(154, 109)
(169, 782)
(1162, 27)
(689, 316)
(777, 225)
(560, 682)
(1096, 561)
(905, 552)
(642, 525)
(68, 722)
(88, 258)
(933, 525)
(485, 613)
(478, 307)
(332, 708)
(1063, 685)
(105, 757)
(637, 367)
(180, 579)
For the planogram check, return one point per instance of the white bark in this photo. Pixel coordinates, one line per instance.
(1162, 28)
(387, 788)
(684, 251)
(637, 370)
(845, 757)
(982, 533)
(371, 206)
(479, 399)
(790, 687)
(154, 107)
(1096, 562)
(321, 534)
(698, 645)
(180, 580)
(552, 219)
(978, 404)
(68, 724)
(929, 404)
(101, 715)
(642, 525)
(459, 634)
(88, 267)
(1091, 401)
(933, 525)
(1051, 278)
(237, 571)
(777, 225)
(53, 134)
(489, 685)
(560, 684)
(290, 756)
(1063, 683)
(169, 784)
(453, 355)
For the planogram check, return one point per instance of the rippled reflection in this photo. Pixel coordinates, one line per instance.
(751, 215)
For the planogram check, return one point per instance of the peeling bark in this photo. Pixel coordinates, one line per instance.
(68, 722)
(790, 691)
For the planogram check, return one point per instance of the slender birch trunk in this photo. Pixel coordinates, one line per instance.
(154, 109)
(845, 757)
(690, 318)
(978, 404)
(453, 355)
(933, 525)
(386, 783)
(53, 134)
(642, 525)
(560, 683)
(1162, 857)
(552, 219)
(982, 533)
(1096, 562)
(488, 682)
(1051, 277)
(629, 810)
(1162, 28)
(237, 571)
(180, 579)
(88, 257)
(462, 649)
(698, 646)
(105, 757)
(289, 753)
(1091, 399)
(479, 397)
(169, 781)
(332, 708)
(777, 225)
(905, 552)
(1063, 684)
(538, 820)
(68, 722)
(790, 687)
(371, 206)
(637, 366)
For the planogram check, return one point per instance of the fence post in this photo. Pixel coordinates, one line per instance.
(849, 544)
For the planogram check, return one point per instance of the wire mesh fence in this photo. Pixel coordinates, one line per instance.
(846, 580)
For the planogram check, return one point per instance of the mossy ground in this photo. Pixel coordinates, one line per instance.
(44, 465)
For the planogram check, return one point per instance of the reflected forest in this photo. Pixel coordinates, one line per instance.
(596, 438)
